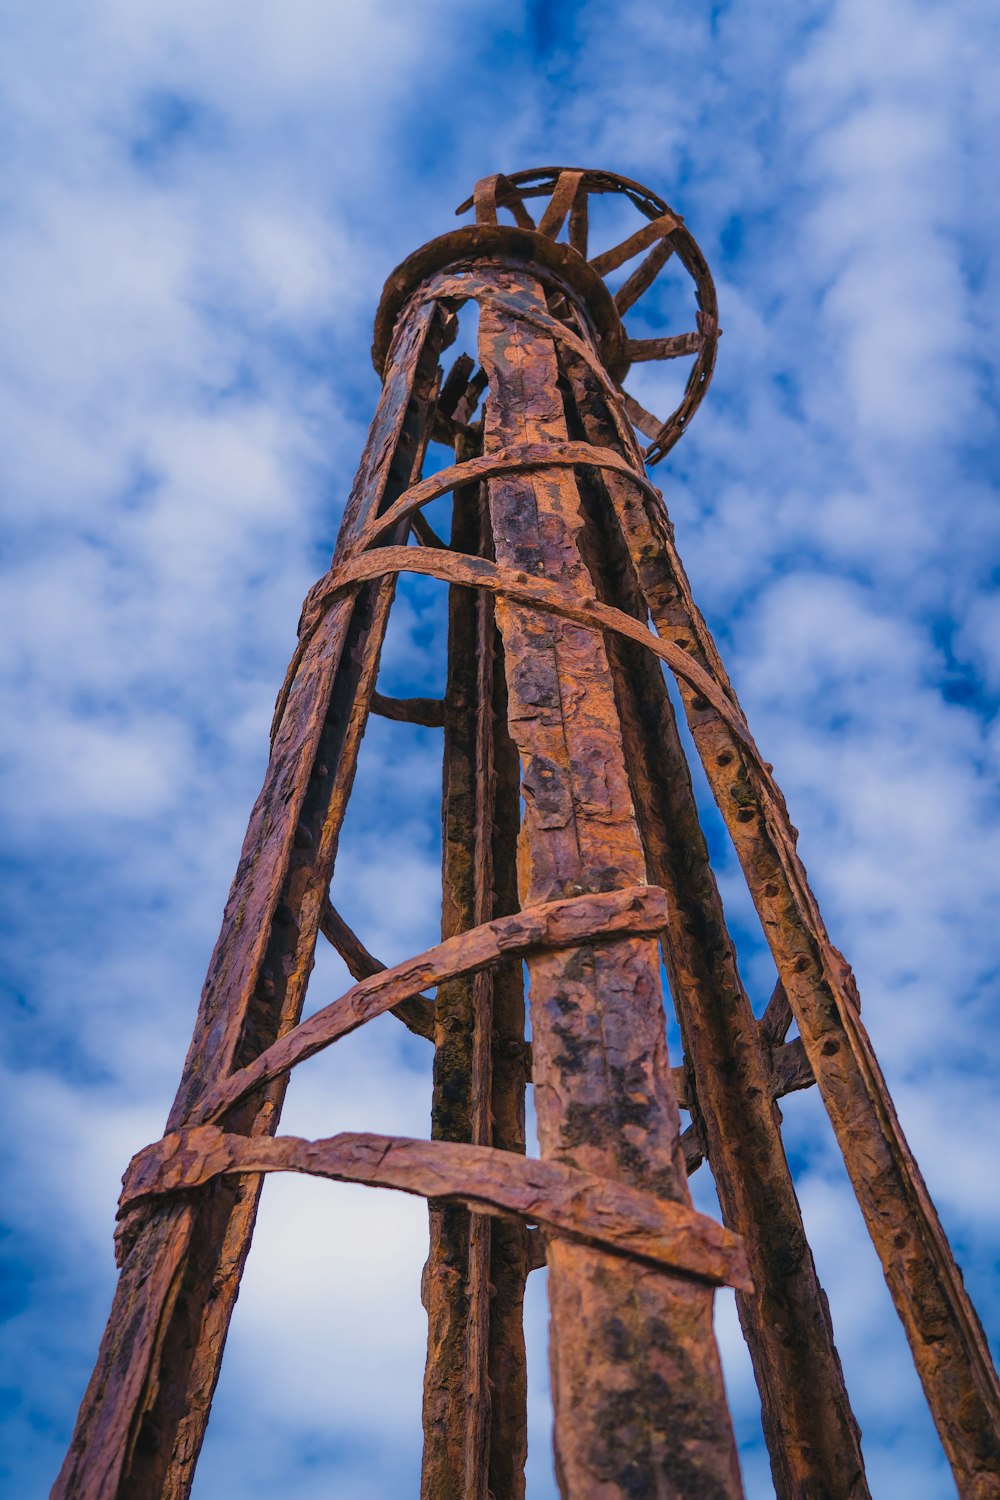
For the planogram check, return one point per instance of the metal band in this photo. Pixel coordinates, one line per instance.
(593, 917)
(565, 1201)
(525, 457)
(537, 593)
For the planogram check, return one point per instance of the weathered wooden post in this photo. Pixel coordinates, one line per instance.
(560, 556)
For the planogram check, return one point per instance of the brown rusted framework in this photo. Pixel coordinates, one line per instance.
(571, 845)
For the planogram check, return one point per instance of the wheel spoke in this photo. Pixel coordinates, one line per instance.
(640, 351)
(562, 200)
(641, 240)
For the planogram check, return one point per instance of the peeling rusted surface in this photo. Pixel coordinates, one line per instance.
(945, 1335)
(141, 1424)
(596, 918)
(566, 1200)
(560, 552)
(459, 1397)
(729, 1080)
(637, 1387)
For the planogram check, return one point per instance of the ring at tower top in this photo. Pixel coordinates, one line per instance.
(589, 287)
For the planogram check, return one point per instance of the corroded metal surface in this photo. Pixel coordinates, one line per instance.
(945, 1335)
(475, 1383)
(455, 1286)
(143, 1416)
(560, 554)
(599, 1060)
(729, 1084)
(416, 1012)
(566, 1200)
(554, 924)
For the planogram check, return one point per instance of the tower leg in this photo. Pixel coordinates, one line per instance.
(637, 1386)
(812, 1436)
(475, 1381)
(143, 1417)
(946, 1338)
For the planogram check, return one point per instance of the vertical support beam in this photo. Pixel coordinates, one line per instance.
(509, 1252)
(637, 1387)
(456, 1278)
(812, 1436)
(475, 1396)
(946, 1338)
(143, 1417)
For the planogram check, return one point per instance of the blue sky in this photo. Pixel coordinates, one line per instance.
(200, 204)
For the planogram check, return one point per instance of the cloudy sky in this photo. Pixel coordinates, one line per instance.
(201, 200)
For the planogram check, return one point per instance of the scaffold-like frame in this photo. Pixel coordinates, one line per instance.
(572, 847)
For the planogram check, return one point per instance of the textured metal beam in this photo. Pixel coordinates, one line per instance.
(637, 1387)
(143, 1417)
(593, 918)
(458, 1395)
(509, 1251)
(416, 1012)
(630, 1224)
(945, 1336)
(811, 1433)
(428, 712)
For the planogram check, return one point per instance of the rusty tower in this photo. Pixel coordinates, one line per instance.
(571, 846)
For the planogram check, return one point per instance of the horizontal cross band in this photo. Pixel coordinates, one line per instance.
(531, 590)
(563, 1200)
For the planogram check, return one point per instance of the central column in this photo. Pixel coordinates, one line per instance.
(637, 1388)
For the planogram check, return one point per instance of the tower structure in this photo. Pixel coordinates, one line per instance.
(572, 848)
